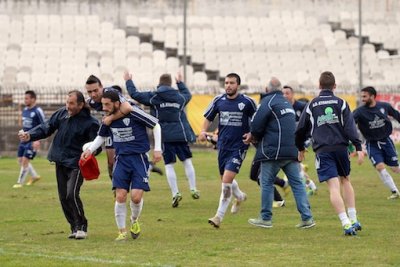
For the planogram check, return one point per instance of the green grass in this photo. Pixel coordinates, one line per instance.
(33, 230)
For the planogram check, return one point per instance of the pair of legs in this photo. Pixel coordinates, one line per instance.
(269, 170)
(229, 165)
(26, 152)
(180, 150)
(334, 169)
(381, 153)
(136, 205)
(69, 182)
(130, 173)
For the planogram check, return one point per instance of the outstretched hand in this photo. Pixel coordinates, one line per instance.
(127, 76)
(178, 77)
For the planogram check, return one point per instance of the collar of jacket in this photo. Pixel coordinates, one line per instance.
(325, 92)
(272, 93)
(164, 88)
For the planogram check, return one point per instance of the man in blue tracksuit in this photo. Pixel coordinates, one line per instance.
(75, 127)
(168, 106)
(273, 127)
(331, 124)
(373, 121)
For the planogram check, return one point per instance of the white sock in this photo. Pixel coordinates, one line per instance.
(312, 185)
(23, 172)
(388, 180)
(237, 193)
(32, 171)
(136, 209)
(343, 218)
(171, 177)
(120, 215)
(352, 214)
(190, 173)
(225, 199)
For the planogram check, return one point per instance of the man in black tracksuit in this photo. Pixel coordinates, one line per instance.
(75, 127)
(330, 123)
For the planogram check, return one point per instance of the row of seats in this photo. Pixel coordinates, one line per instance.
(256, 47)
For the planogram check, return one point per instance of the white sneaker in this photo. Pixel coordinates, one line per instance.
(236, 204)
(80, 234)
(215, 221)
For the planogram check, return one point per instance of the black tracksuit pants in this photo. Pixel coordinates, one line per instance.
(69, 182)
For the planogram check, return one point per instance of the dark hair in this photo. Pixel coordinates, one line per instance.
(234, 75)
(79, 96)
(117, 87)
(165, 79)
(31, 93)
(93, 79)
(370, 90)
(288, 87)
(112, 95)
(327, 80)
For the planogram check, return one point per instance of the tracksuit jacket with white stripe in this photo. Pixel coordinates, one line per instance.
(168, 105)
(273, 126)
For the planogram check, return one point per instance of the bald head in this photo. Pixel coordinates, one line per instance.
(274, 85)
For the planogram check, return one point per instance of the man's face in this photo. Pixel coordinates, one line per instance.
(231, 86)
(288, 94)
(367, 99)
(109, 107)
(95, 91)
(72, 105)
(29, 101)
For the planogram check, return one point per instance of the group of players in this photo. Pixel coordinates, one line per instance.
(124, 130)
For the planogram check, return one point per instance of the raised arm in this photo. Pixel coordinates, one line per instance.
(141, 97)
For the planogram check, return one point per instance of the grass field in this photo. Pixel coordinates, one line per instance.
(33, 230)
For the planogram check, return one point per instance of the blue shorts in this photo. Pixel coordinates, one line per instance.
(108, 143)
(230, 160)
(332, 164)
(382, 151)
(131, 172)
(26, 150)
(172, 150)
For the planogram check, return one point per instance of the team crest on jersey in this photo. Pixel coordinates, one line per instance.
(32, 114)
(126, 121)
(241, 106)
(382, 110)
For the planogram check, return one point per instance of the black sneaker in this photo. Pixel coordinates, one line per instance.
(154, 168)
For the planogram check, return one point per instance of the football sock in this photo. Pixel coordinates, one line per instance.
(352, 214)
(22, 175)
(225, 199)
(190, 173)
(171, 177)
(32, 171)
(343, 218)
(237, 193)
(387, 180)
(120, 215)
(136, 209)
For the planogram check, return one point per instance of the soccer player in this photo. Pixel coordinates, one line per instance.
(298, 106)
(32, 115)
(95, 90)
(235, 111)
(168, 105)
(375, 125)
(131, 144)
(332, 126)
(75, 127)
